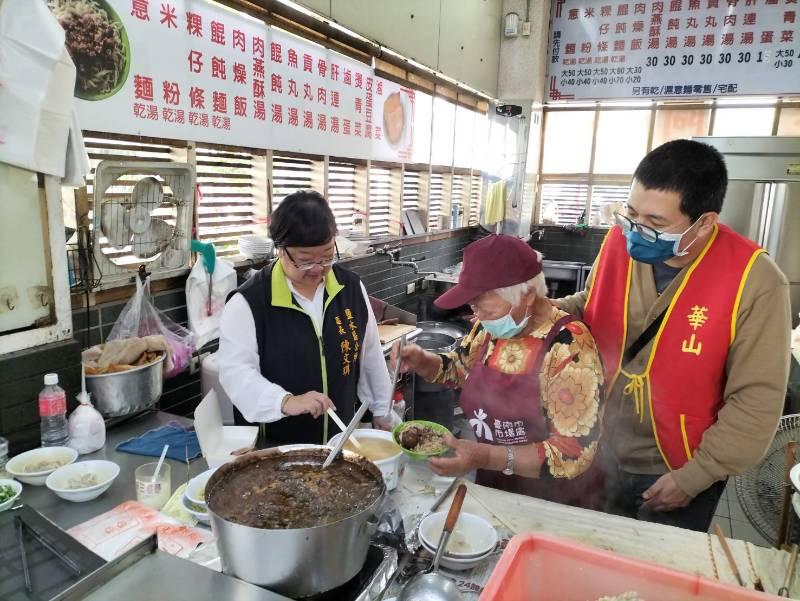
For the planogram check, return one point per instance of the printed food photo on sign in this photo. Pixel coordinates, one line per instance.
(395, 117)
(98, 44)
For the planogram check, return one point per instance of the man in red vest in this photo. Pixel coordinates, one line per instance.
(693, 323)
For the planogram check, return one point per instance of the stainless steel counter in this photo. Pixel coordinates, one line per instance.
(157, 576)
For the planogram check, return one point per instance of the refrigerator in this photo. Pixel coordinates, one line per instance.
(763, 198)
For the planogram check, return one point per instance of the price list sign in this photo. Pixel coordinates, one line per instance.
(673, 49)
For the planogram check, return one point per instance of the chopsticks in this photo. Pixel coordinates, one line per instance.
(727, 550)
(342, 426)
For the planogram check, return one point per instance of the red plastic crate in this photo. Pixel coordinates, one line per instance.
(537, 567)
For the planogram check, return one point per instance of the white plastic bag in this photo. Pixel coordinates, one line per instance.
(87, 429)
(205, 326)
(140, 318)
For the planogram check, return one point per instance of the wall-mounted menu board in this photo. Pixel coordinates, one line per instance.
(192, 70)
(612, 49)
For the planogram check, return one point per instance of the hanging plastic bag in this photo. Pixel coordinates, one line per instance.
(140, 318)
(87, 429)
(205, 310)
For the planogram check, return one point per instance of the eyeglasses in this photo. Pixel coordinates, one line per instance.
(306, 266)
(645, 231)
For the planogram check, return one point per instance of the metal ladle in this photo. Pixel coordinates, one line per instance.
(431, 586)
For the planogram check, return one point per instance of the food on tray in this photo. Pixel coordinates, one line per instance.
(422, 439)
(6, 492)
(623, 597)
(373, 449)
(83, 481)
(44, 465)
(145, 358)
(96, 42)
(278, 493)
(393, 118)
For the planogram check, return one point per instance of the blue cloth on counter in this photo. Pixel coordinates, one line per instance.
(152, 443)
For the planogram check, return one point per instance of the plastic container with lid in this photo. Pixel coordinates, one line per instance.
(537, 567)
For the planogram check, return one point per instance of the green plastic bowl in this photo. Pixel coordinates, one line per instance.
(419, 422)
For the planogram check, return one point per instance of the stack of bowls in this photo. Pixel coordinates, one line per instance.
(256, 247)
(194, 498)
(473, 540)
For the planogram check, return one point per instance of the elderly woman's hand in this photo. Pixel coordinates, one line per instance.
(414, 358)
(469, 455)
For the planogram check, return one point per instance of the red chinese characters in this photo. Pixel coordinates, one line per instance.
(169, 16)
(293, 116)
(307, 95)
(239, 73)
(197, 97)
(220, 101)
(379, 88)
(194, 24)
(240, 106)
(767, 37)
(140, 9)
(275, 52)
(258, 68)
(322, 122)
(789, 16)
(334, 125)
(277, 113)
(335, 98)
(258, 88)
(747, 38)
(195, 61)
(308, 63)
(690, 41)
(308, 119)
(172, 94)
(292, 88)
(359, 80)
(357, 129)
(218, 68)
(276, 83)
(143, 87)
(218, 33)
(348, 77)
(258, 46)
(346, 127)
(322, 67)
(378, 133)
(259, 110)
(291, 57)
(334, 72)
(368, 130)
(358, 104)
(322, 96)
(239, 40)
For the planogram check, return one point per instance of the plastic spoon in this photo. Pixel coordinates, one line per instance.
(160, 463)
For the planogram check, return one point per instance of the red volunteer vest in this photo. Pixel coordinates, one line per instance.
(684, 379)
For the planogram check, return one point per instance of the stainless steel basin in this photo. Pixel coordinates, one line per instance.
(562, 270)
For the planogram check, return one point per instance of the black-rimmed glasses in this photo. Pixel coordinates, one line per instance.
(645, 231)
(312, 264)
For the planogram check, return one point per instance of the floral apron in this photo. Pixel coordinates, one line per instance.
(506, 409)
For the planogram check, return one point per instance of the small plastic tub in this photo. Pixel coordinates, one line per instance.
(536, 567)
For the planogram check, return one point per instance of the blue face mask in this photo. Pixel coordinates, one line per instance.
(505, 327)
(665, 248)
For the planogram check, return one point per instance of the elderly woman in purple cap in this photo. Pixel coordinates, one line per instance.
(531, 379)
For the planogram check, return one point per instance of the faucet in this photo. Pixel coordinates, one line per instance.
(394, 253)
(538, 234)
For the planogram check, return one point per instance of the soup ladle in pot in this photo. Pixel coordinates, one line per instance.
(430, 585)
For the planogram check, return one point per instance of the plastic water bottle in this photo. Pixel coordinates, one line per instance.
(53, 411)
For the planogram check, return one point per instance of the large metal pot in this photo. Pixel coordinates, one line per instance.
(443, 327)
(435, 342)
(127, 392)
(295, 562)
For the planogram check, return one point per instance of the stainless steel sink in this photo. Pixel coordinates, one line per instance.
(562, 270)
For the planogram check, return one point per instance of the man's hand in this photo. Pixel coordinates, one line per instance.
(665, 495)
(312, 402)
(469, 456)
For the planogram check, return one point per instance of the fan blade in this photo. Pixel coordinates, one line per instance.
(155, 240)
(113, 224)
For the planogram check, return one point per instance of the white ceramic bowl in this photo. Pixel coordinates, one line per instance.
(391, 467)
(17, 465)
(17, 490)
(457, 565)
(105, 473)
(472, 537)
(196, 487)
(201, 516)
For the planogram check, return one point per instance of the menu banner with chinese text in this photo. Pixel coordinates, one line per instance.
(603, 49)
(191, 70)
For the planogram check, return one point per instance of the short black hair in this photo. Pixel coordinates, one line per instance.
(302, 219)
(694, 170)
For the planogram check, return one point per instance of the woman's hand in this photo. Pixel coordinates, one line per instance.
(312, 402)
(383, 423)
(415, 358)
(469, 455)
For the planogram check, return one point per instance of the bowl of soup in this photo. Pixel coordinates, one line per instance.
(33, 467)
(380, 448)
